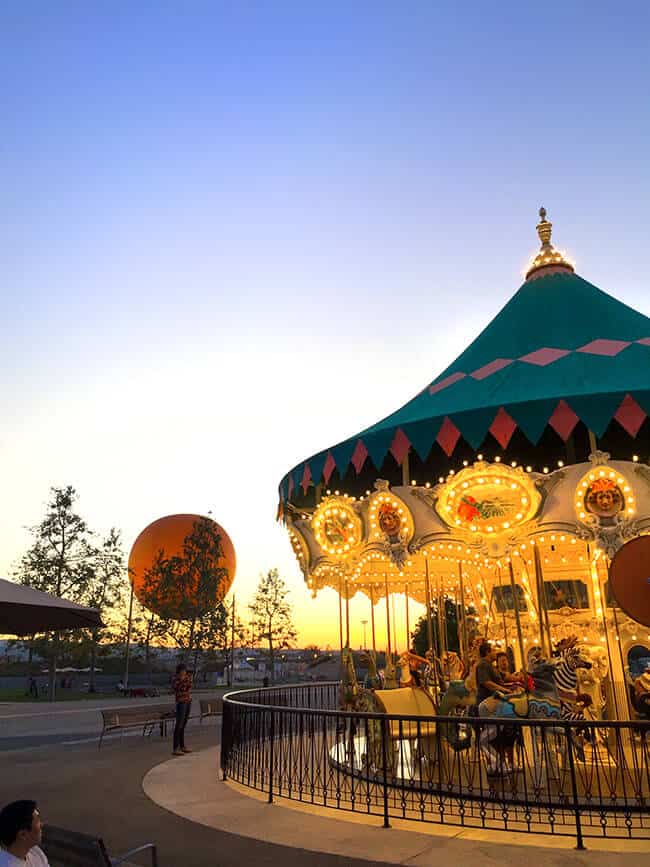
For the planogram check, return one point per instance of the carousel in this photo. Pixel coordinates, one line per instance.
(510, 499)
(506, 489)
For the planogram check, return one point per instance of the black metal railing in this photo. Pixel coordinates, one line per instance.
(580, 779)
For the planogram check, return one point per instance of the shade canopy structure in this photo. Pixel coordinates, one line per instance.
(25, 611)
(562, 358)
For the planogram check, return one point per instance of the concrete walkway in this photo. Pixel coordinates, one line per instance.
(190, 787)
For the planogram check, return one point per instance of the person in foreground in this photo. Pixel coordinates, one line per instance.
(20, 835)
(182, 686)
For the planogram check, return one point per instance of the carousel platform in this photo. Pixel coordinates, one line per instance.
(191, 788)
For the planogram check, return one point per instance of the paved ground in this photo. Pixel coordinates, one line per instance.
(100, 791)
(40, 723)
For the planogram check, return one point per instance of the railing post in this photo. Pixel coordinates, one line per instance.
(271, 753)
(226, 726)
(384, 752)
(574, 787)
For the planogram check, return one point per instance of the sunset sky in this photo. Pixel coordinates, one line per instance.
(235, 233)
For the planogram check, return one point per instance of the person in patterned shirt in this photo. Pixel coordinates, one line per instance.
(182, 686)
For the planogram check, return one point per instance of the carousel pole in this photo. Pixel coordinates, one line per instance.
(442, 616)
(347, 614)
(395, 645)
(372, 617)
(408, 624)
(390, 649)
(463, 636)
(542, 601)
(340, 614)
(592, 566)
(517, 619)
(539, 590)
(427, 592)
(503, 613)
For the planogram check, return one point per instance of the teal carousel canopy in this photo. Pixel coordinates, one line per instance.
(560, 352)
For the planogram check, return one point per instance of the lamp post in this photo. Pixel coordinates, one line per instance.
(364, 623)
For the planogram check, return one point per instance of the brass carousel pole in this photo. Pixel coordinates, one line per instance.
(542, 598)
(517, 619)
(539, 590)
(347, 614)
(372, 617)
(442, 616)
(395, 644)
(594, 567)
(340, 613)
(390, 649)
(427, 591)
(408, 625)
(503, 613)
(463, 642)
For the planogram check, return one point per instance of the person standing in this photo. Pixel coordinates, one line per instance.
(182, 686)
(20, 835)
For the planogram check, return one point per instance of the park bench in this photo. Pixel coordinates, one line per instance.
(72, 849)
(210, 707)
(121, 718)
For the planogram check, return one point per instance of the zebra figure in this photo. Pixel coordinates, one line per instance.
(566, 682)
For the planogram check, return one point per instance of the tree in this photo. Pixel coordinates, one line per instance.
(271, 615)
(231, 632)
(420, 635)
(185, 592)
(106, 589)
(60, 561)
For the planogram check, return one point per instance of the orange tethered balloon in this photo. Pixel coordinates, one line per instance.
(168, 535)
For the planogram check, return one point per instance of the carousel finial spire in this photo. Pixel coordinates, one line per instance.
(548, 260)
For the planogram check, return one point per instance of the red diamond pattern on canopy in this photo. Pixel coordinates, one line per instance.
(645, 341)
(359, 456)
(503, 427)
(563, 420)
(629, 415)
(449, 380)
(448, 436)
(329, 467)
(545, 355)
(492, 367)
(400, 446)
(306, 479)
(605, 347)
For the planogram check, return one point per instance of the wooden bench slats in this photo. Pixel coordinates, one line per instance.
(211, 707)
(118, 718)
(73, 849)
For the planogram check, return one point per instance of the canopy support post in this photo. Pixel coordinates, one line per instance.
(372, 617)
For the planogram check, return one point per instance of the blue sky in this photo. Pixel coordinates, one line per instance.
(236, 233)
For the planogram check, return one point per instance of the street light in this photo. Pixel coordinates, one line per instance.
(364, 623)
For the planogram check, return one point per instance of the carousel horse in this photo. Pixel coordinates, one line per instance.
(349, 688)
(372, 681)
(432, 678)
(390, 673)
(590, 681)
(455, 702)
(452, 666)
(408, 668)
